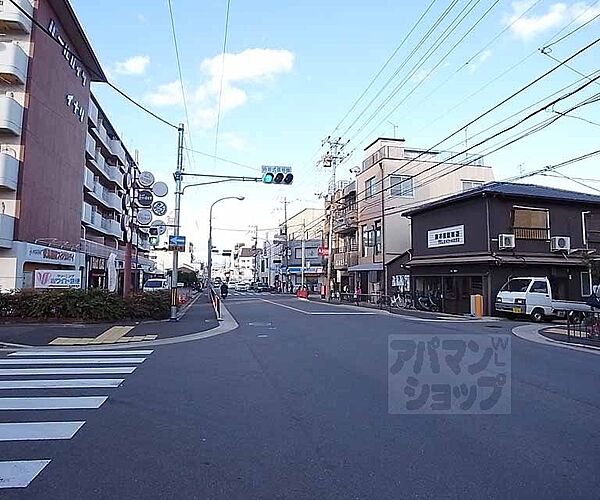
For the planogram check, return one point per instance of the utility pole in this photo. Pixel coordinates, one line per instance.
(255, 273)
(303, 247)
(331, 159)
(178, 192)
(285, 247)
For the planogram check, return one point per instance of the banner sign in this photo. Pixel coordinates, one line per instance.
(45, 278)
(446, 237)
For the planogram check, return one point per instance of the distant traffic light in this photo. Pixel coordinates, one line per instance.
(154, 240)
(154, 231)
(279, 178)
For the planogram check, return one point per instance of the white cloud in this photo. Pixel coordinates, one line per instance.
(238, 73)
(168, 94)
(135, 65)
(475, 64)
(419, 76)
(557, 14)
(235, 141)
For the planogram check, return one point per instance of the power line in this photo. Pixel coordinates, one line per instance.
(499, 104)
(572, 31)
(176, 45)
(208, 155)
(226, 32)
(385, 65)
(91, 70)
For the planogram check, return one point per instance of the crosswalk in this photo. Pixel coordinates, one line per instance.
(35, 372)
(235, 293)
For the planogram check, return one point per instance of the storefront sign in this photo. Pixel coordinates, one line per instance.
(38, 253)
(67, 53)
(446, 237)
(57, 279)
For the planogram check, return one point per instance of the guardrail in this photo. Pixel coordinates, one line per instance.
(583, 326)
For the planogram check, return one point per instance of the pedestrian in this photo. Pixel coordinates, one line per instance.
(224, 290)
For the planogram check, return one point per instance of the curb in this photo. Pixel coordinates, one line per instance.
(531, 333)
(228, 324)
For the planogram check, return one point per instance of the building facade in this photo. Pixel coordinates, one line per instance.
(473, 242)
(62, 166)
(392, 179)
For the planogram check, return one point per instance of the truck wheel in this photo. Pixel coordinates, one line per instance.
(537, 316)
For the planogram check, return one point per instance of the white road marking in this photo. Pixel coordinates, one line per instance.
(19, 473)
(313, 313)
(58, 403)
(34, 431)
(107, 352)
(70, 361)
(75, 383)
(67, 371)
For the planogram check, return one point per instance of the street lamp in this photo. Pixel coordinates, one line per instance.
(240, 198)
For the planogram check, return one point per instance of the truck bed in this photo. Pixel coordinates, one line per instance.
(570, 305)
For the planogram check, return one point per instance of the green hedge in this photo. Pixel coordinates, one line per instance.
(86, 305)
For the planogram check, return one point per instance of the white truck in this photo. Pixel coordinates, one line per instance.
(534, 298)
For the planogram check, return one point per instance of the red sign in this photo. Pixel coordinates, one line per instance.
(323, 252)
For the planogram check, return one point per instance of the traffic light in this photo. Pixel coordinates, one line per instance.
(154, 240)
(154, 231)
(279, 178)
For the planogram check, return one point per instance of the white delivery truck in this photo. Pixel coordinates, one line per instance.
(536, 299)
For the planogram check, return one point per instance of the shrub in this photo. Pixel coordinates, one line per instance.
(87, 305)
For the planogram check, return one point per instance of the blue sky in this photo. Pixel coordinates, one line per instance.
(293, 69)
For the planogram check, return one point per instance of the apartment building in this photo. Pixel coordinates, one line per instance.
(64, 173)
(411, 177)
(345, 235)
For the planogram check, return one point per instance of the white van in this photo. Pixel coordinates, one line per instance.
(156, 285)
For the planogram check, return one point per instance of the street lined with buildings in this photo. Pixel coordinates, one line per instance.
(291, 404)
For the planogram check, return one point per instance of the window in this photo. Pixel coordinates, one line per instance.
(466, 185)
(402, 185)
(367, 240)
(370, 188)
(531, 223)
(377, 238)
(516, 285)
(309, 253)
(586, 284)
(539, 287)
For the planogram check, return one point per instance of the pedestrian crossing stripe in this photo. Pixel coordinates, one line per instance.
(45, 370)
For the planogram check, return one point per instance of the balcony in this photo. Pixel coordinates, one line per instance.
(94, 219)
(88, 179)
(13, 63)
(90, 146)
(93, 114)
(12, 19)
(7, 227)
(117, 150)
(110, 172)
(11, 115)
(9, 171)
(346, 223)
(344, 260)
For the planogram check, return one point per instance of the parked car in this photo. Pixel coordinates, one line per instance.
(156, 285)
(242, 287)
(232, 285)
(262, 287)
(537, 299)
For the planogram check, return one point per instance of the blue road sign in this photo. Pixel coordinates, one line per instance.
(177, 243)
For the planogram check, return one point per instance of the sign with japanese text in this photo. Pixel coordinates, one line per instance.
(45, 278)
(449, 374)
(446, 236)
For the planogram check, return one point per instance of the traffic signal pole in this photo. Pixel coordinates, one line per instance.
(178, 192)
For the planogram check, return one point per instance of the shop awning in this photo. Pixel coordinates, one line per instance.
(371, 266)
(559, 260)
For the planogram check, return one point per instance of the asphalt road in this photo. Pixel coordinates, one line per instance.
(295, 405)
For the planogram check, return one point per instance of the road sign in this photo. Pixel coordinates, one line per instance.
(160, 189)
(145, 179)
(177, 243)
(145, 198)
(161, 226)
(323, 252)
(273, 169)
(159, 208)
(144, 217)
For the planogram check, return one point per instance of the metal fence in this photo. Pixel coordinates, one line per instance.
(402, 300)
(584, 326)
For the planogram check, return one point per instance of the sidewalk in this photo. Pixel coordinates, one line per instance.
(199, 316)
(405, 312)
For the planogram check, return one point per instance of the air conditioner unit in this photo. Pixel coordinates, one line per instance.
(506, 241)
(560, 244)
